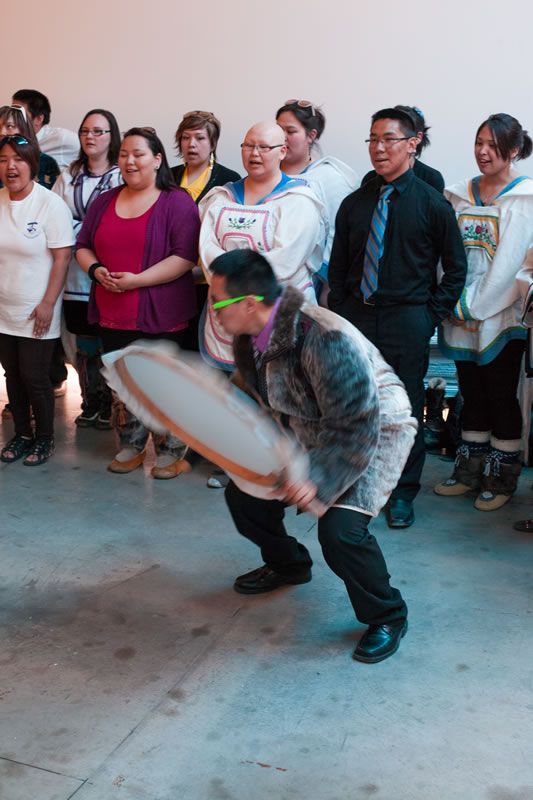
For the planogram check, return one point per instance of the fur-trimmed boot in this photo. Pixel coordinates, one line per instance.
(468, 470)
(499, 479)
(433, 419)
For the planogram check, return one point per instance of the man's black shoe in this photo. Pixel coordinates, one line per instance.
(265, 579)
(400, 513)
(380, 642)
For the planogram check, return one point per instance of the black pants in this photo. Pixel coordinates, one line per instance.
(26, 363)
(402, 335)
(349, 549)
(58, 368)
(490, 393)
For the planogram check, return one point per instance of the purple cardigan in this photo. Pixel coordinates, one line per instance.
(173, 230)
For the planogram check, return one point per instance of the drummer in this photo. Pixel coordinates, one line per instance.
(348, 410)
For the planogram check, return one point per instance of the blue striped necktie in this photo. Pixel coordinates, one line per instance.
(374, 243)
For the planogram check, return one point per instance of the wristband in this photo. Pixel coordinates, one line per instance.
(92, 269)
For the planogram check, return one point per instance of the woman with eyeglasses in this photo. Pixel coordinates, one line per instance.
(36, 239)
(485, 336)
(269, 212)
(331, 179)
(138, 244)
(13, 120)
(94, 172)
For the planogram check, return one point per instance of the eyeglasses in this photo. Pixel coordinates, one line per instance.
(92, 131)
(263, 148)
(388, 141)
(223, 303)
(16, 139)
(22, 111)
(301, 104)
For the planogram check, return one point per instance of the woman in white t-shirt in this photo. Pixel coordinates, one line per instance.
(94, 172)
(36, 239)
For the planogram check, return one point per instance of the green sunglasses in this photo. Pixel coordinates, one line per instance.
(231, 300)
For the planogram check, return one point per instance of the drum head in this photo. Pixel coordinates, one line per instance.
(170, 391)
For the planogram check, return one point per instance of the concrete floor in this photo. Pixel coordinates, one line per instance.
(130, 669)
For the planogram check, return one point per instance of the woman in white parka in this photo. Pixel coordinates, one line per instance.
(269, 212)
(484, 336)
(330, 178)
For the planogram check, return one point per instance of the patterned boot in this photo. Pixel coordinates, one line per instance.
(499, 479)
(466, 477)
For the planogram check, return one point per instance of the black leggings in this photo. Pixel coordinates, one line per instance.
(490, 393)
(27, 368)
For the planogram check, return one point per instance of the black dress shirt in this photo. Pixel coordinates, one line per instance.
(422, 171)
(421, 230)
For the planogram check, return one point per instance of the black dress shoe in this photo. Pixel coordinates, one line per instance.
(265, 579)
(400, 513)
(380, 642)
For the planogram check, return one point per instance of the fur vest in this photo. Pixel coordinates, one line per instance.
(346, 407)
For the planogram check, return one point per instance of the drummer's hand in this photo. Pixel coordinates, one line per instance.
(124, 281)
(299, 493)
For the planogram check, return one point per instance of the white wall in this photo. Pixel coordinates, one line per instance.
(149, 62)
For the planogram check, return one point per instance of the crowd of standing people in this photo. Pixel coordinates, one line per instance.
(123, 247)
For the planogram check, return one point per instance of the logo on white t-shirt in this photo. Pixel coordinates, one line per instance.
(32, 230)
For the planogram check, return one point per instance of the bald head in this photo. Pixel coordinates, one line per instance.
(263, 150)
(266, 132)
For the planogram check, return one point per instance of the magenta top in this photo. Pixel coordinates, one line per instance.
(120, 244)
(173, 228)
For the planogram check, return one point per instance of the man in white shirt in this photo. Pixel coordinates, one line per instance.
(60, 143)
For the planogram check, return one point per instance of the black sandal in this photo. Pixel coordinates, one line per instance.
(17, 447)
(41, 450)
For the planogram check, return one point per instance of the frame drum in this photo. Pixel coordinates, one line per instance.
(169, 390)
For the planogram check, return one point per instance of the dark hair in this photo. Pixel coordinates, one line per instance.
(27, 152)
(37, 102)
(508, 135)
(25, 127)
(247, 272)
(114, 142)
(308, 115)
(196, 120)
(163, 179)
(405, 119)
(420, 126)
